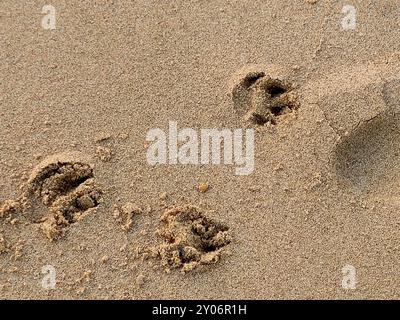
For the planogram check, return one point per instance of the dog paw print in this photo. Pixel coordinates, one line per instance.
(66, 186)
(190, 239)
(261, 98)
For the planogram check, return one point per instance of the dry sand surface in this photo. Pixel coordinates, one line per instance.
(83, 212)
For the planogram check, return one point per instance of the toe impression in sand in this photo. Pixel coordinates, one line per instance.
(262, 94)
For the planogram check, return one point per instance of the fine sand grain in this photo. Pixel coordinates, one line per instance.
(317, 218)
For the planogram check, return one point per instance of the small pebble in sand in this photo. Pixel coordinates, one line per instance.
(203, 187)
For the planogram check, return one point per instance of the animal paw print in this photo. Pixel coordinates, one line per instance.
(262, 98)
(66, 186)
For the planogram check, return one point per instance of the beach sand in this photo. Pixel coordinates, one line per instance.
(79, 199)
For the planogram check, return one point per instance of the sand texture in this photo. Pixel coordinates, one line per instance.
(81, 201)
